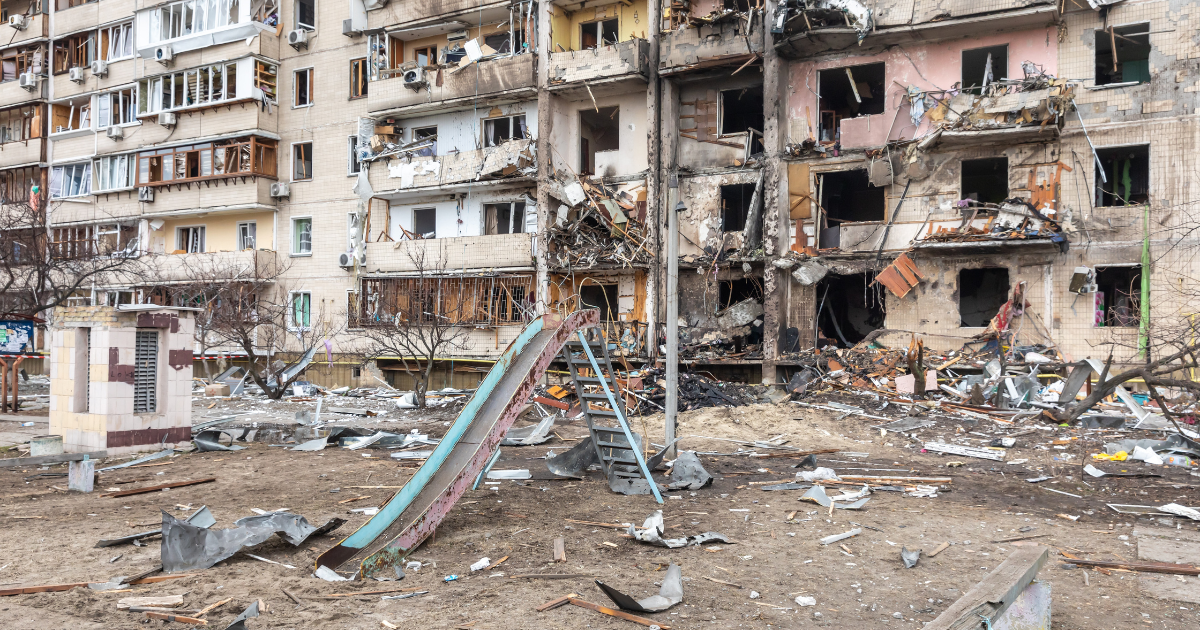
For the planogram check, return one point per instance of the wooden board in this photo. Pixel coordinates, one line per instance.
(50, 459)
(177, 484)
(799, 190)
(994, 593)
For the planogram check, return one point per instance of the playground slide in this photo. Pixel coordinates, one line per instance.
(415, 512)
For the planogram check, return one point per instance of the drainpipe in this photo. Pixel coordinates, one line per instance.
(1144, 320)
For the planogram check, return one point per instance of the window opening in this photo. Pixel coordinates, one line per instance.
(191, 239)
(599, 296)
(850, 308)
(596, 34)
(981, 293)
(848, 196)
(848, 92)
(504, 218)
(425, 222)
(982, 67)
(247, 235)
(1123, 54)
(985, 180)
(1128, 172)
(301, 236)
(302, 161)
(735, 206)
(1118, 296)
(599, 131)
(497, 131)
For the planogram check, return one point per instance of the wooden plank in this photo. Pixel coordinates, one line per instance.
(51, 459)
(179, 618)
(799, 190)
(551, 402)
(156, 601)
(53, 588)
(1144, 567)
(560, 550)
(619, 614)
(555, 603)
(940, 548)
(177, 484)
(390, 590)
(995, 593)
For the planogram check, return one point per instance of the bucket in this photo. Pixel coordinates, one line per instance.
(45, 445)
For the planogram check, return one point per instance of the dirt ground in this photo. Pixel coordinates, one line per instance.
(49, 536)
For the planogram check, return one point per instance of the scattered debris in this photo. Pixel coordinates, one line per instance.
(652, 532)
(188, 547)
(670, 594)
(910, 558)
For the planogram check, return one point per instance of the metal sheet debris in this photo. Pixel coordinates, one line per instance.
(669, 594)
(817, 495)
(910, 558)
(652, 531)
(200, 518)
(687, 473)
(240, 622)
(965, 451)
(187, 547)
(140, 460)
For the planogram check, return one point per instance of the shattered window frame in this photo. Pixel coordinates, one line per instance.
(598, 32)
(359, 83)
(191, 238)
(747, 195)
(721, 111)
(302, 161)
(825, 105)
(247, 234)
(353, 164)
(492, 228)
(420, 133)
(1121, 307)
(490, 129)
(1134, 36)
(1105, 195)
(302, 87)
(997, 68)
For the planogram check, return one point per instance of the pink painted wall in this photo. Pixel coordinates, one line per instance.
(935, 66)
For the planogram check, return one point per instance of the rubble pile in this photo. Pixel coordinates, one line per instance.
(604, 226)
(697, 391)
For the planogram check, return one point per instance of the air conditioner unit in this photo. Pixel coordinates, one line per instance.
(28, 80)
(19, 22)
(298, 38)
(75, 74)
(458, 36)
(100, 68)
(280, 190)
(167, 119)
(164, 55)
(348, 28)
(146, 194)
(116, 133)
(414, 78)
(346, 260)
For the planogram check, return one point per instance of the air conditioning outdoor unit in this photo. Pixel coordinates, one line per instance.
(458, 36)
(28, 80)
(298, 38)
(414, 78)
(280, 190)
(167, 119)
(146, 194)
(164, 55)
(348, 28)
(19, 22)
(346, 260)
(100, 68)
(116, 133)
(75, 74)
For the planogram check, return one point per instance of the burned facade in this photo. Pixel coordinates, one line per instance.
(837, 168)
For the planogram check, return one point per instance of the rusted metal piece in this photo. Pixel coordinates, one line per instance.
(543, 337)
(381, 561)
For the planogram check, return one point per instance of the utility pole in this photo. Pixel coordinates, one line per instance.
(674, 205)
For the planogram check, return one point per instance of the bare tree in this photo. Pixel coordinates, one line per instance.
(278, 330)
(416, 321)
(42, 268)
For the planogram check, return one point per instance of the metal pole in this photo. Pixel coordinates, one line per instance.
(672, 315)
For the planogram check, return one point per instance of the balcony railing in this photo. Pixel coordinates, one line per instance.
(506, 75)
(429, 300)
(623, 59)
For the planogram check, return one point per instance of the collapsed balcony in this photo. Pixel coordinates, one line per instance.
(621, 300)
(599, 226)
(410, 166)
(731, 33)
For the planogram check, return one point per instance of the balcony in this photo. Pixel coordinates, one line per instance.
(11, 93)
(37, 28)
(513, 159)
(412, 13)
(250, 264)
(22, 152)
(240, 194)
(508, 78)
(120, 73)
(711, 45)
(463, 252)
(89, 14)
(616, 63)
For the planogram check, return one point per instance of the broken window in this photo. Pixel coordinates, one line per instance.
(741, 6)
(848, 92)
(850, 308)
(599, 131)
(114, 238)
(1123, 54)
(599, 296)
(730, 292)
(358, 78)
(482, 301)
(848, 196)
(985, 180)
(504, 218)
(302, 88)
(735, 206)
(1118, 296)
(1127, 170)
(251, 156)
(983, 66)
(247, 235)
(302, 165)
(429, 134)
(72, 180)
(190, 239)
(497, 131)
(75, 51)
(596, 34)
(425, 222)
(306, 14)
(353, 164)
(742, 110)
(981, 293)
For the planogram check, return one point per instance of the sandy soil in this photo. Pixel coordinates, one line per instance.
(49, 537)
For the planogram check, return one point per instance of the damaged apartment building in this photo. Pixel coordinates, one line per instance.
(838, 169)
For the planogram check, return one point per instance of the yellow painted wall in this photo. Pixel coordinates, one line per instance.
(220, 233)
(632, 21)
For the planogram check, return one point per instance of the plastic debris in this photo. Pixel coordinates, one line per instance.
(910, 558)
